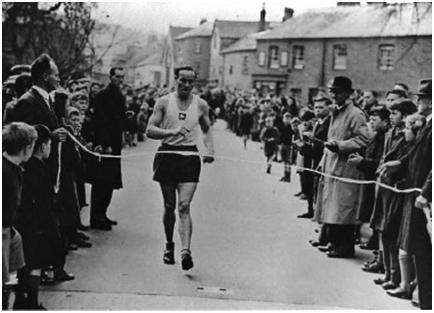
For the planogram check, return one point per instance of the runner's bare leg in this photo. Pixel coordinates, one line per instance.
(185, 227)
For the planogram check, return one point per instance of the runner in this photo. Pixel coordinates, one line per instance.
(175, 121)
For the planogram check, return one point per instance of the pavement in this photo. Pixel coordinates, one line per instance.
(250, 250)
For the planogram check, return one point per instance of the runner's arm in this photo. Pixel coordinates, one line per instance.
(205, 125)
(154, 131)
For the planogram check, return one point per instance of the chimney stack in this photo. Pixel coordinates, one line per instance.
(348, 4)
(288, 13)
(262, 19)
(202, 21)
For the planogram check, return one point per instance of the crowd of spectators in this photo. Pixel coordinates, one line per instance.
(343, 132)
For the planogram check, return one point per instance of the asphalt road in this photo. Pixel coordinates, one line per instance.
(250, 250)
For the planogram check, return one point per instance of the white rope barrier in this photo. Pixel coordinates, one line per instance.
(220, 157)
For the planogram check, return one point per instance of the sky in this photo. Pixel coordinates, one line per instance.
(153, 15)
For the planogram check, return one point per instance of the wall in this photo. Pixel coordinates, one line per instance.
(190, 57)
(412, 62)
(238, 79)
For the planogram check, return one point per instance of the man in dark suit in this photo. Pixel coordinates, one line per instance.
(108, 119)
(35, 107)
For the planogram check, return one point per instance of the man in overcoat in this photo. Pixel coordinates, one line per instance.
(108, 119)
(337, 200)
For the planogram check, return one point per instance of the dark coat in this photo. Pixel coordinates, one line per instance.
(387, 213)
(369, 166)
(320, 132)
(108, 120)
(413, 235)
(68, 203)
(36, 221)
(32, 109)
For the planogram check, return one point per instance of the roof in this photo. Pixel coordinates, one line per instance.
(204, 30)
(237, 29)
(154, 59)
(175, 31)
(392, 20)
(247, 43)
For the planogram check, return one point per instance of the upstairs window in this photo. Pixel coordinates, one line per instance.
(230, 70)
(245, 69)
(298, 57)
(340, 57)
(274, 57)
(197, 68)
(386, 57)
(197, 46)
(261, 58)
(284, 58)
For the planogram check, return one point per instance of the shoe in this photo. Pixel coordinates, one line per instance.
(101, 225)
(375, 267)
(81, 243)
(306, 215)
(83, 227)
(82, 236)
(63, 276)
(169, 255)
(285, 179)
(380, 280)
(325, 248)
(335, 254)
(388, 285)
(298, 194)
(400, 293)
(111, 222)
(41, 308)
(415, 303)
(316, 243)
(303, 196)
(268, 171)
(186, 260)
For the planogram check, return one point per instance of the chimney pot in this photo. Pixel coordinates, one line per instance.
(288, 13)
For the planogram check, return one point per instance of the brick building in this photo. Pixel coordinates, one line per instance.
(194, 47)
(375, 45)
(172, 55)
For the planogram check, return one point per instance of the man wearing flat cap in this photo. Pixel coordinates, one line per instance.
(414, 236)
(336, 205)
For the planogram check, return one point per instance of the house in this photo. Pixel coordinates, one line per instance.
(239, 59)
(148, 71)
(224, 34)
(172, 56)
(375, 45)
(194, 46)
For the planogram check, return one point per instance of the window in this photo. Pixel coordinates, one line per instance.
(231, 69)
(197, 46)
(339, 57)
(180, 59)
(245, 69)
(220, 70)
(386, 55)
(298, 57)
(296, 94)
(274, 57)
(284, 58)
(261, 58)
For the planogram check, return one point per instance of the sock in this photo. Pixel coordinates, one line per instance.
(20, 302)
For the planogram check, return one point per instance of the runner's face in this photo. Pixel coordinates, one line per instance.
(185, 82)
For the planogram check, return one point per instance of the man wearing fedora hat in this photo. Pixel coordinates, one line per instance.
(336, 200)
(417, 166)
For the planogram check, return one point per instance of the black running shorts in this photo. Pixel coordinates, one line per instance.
(176, 168)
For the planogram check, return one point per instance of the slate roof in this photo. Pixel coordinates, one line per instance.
(247, 43)
(154, 59)
(175, 31)
(204, 30)
(393, 20)
(237, 29)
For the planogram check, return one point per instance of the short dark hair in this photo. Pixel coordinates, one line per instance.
(114, 69)
(44, 135)
(183, 68)
(17, 136)
(381, 111)
(40, 66)
(398, 92)
(405, 106)
(374, 93)
(404, 86)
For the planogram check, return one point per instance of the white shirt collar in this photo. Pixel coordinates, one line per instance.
(429, 117)
(45, 95)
